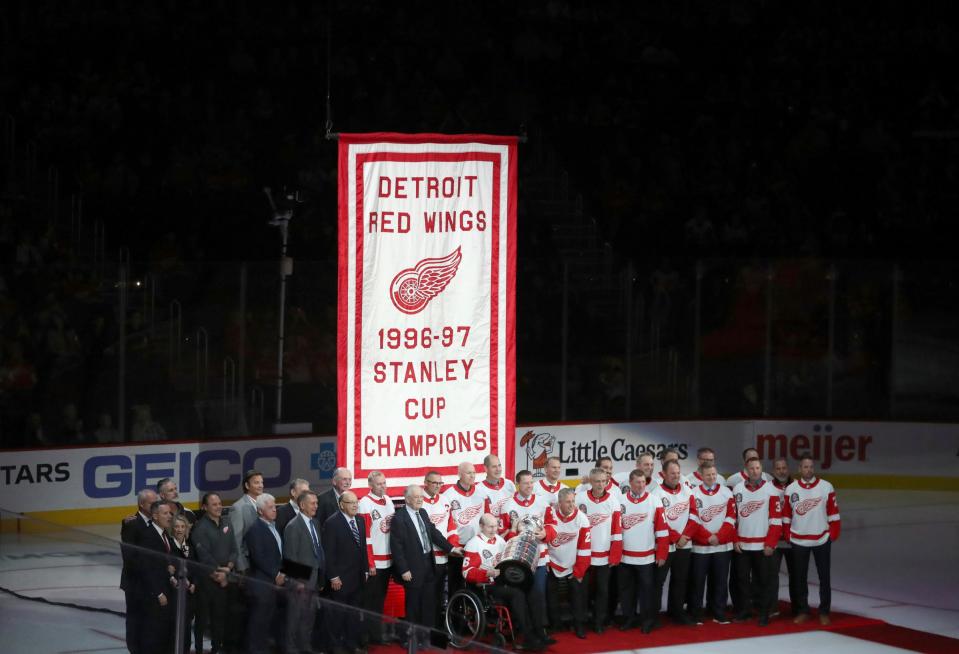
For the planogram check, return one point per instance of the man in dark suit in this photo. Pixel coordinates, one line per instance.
(305, 561)
(154, 581)
(330, 500)
(288, 511)
(412, 538)
(265, 556)
(131, 530)
(346, 568)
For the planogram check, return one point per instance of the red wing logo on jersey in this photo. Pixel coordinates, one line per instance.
(597, 519)
(385, 523)
(804, 507)
(677, 510)
(437, 518)
(632, 519)
(711, 512)
(562, 537)
(466, 516)
(413, 288)
(497, 508)
(748, 508)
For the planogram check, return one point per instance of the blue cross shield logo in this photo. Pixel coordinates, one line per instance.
(324, 461)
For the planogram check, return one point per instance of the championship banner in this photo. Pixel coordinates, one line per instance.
(426, 303)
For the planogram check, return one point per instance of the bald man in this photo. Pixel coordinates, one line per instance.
(467, 506)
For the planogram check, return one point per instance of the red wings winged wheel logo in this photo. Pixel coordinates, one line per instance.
(413, 288)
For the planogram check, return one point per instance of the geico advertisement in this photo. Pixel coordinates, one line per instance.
(77, 478)
(864, 448)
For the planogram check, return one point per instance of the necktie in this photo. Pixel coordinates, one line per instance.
(356, 533)
(316, 543)
(424, 539)
(166, 543)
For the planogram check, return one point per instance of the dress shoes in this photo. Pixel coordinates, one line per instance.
(599, 627)
(647, 627)
(720, 618)
(683, 619)
(628, 624)
(763, 620)
(824, 619)
(580, 631)
(802, 618)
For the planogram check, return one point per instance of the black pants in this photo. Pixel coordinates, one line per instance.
(454, 578)
(575, 591)
(519, 609)
(374, 596)
(779, 556)
(211, 602)
(156, 629)
(260, 624)
(344, 624)
(598, 578)
(237, 608)
(801, 567)
(420, 600)
(754, 571)
(637, 582)
(439, 586)
(677, 567)
(714, 569)
(133, 620)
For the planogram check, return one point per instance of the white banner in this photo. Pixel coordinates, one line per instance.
(425, 303)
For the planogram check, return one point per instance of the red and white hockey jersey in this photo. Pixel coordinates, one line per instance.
(550, 492)
(605, 523)
(694, 479)
(811, 513)
(645, 534)
(677, 506)
(611, 487)
(515, 509)
(438, 509)
(759, 515)
(569, 549)
(377, 514)
(781, 487)
(622, 482)
(715, 514)
(466, 508)
(480, 556)
(496, 493)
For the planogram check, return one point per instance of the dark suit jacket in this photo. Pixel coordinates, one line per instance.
(284, 513)
(327, 506)
(407, 549)
(152, 576)
(298, 548)
(131, 529)
(344, 558)
(264, 556)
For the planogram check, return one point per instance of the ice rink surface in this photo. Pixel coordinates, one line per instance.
(897, 561)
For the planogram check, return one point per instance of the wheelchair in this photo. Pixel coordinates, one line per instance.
(471, 612)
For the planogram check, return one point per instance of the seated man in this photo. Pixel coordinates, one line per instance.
(481, 555)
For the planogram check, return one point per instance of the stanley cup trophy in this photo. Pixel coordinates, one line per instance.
(521, 556)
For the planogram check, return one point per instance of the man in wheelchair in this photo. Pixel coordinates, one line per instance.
(481, 555)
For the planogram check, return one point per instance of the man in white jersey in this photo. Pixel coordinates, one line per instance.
(715, 518)
(605, 464)
(467, 506)
(569, 554)
(522, 504)
(604, 511)
(495, 487)
(811, 516)
(645, 547)
(376, 511)
(551, 485)
(677, 502)
(704, 455)
(732, 481)
(758, 527)
(781, 480)
(481, 555)
(438, 509)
